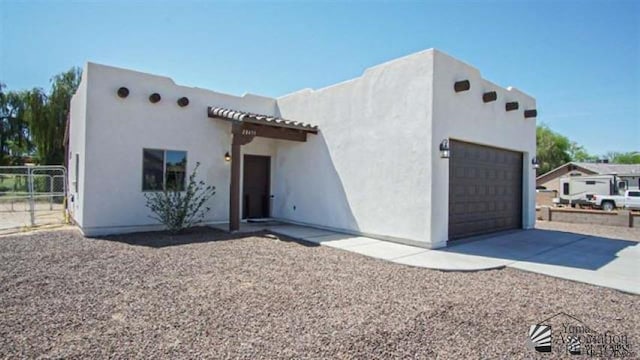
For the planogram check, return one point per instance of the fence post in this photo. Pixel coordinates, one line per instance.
(50, 192)
(31, 205)
(624, 218)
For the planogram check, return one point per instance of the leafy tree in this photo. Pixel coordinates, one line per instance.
(553, 149)
(180, 210)
(47, 115)
(32, 120)
(579, 153)
(14, 133)
(632, 157)
(35, 102)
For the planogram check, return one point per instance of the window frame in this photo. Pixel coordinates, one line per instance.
(164, 169)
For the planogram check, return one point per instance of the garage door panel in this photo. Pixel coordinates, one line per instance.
(485, 189)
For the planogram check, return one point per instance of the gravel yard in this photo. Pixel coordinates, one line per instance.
(64, 296)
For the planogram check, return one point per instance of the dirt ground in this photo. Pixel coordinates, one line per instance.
(15, 215)
(611, 232)
(205, 295)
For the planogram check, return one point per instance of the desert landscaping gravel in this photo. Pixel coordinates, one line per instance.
(203, 295)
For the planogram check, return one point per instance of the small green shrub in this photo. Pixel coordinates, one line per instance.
(180, 210)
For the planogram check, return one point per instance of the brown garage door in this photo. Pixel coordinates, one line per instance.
(485, 190)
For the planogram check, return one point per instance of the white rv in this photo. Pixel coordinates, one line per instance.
(579, 190)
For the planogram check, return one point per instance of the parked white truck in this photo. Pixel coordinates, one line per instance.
(630, 200)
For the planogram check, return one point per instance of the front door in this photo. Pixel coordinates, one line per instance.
(255, 186)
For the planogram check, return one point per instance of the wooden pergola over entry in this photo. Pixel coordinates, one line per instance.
(244, 127)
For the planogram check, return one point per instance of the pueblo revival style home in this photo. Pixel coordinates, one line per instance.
(419, 150)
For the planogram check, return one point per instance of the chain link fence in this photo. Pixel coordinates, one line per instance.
(32, 196)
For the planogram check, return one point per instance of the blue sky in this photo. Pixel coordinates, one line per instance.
(580, 59)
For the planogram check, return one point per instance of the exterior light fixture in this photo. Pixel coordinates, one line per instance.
(183, 101)
(463, 85)
(154, 98)
(123, 92)
(534, 163)
(227, 157)
(444, 149)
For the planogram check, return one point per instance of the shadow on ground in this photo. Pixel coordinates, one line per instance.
(548, 247)
(161, 239)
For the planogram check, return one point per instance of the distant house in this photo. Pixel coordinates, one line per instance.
(551, 179)
(419, 150)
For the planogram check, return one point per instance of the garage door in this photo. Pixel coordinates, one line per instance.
(485, 190)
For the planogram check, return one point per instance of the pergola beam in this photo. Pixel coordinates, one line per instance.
(279, 133)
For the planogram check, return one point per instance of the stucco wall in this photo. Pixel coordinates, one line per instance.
(464, 116)
(367, 170)
(374, 168)
(77, 142)
(118, 129)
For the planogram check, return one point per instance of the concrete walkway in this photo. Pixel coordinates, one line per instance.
(594, 260)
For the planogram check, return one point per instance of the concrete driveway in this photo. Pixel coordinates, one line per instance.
(594, 260)
(601, 261)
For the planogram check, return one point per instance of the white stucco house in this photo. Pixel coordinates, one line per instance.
(419, 150)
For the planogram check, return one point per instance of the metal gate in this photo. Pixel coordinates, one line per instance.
(32, 196)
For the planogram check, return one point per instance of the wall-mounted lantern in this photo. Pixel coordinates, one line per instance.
(444, 149)
(534, 163)
(183, 101)
(123, 92)
(510, 106)
(227, 157)
(154, 98)
(463, 85)
(489, 96)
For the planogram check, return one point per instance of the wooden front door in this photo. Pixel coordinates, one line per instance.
(255, 186)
